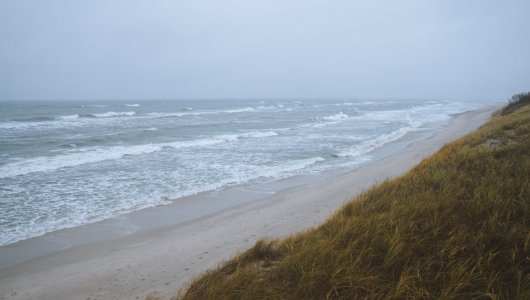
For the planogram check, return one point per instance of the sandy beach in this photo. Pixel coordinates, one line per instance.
(162, 257)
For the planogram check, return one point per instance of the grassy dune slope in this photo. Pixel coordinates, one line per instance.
(457, 226)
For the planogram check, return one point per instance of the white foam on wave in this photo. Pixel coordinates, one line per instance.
(238, 110)
(328, 120)
(336, 117)
(18, 125)
(98, 154)
(114, 114)
(377, 142)
(287, 169)
(414, 118)
(180, 114)
(199, 113)
(272, 107)
(58, 123)
(244, 173)
(431, 113)
(84, 213)
(162, 115)
(132, 105)
(260, 134)
(80, 157)
(94, 105)
(69, 117)
(241, 173)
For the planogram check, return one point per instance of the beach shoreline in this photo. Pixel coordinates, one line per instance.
(163, 257)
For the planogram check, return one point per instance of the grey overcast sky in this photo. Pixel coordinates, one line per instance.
(129, 49)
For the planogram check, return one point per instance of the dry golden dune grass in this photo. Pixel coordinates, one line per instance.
(456, 226)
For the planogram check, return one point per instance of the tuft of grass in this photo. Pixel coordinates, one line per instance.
(515, 102)
(456, 226)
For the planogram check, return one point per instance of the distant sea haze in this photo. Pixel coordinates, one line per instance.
(64, 164)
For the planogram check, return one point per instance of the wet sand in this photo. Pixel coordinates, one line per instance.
(144, 252)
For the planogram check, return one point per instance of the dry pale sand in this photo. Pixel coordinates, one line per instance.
(163, 260)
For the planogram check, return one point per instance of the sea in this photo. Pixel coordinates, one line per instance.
(68, 163)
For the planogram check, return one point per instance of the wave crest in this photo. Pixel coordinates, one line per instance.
(97, 154)
(113, 114)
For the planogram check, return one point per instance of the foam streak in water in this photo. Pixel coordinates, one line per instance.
(97, 154)
(114, 114)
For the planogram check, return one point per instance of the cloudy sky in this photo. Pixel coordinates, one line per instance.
(129, 49)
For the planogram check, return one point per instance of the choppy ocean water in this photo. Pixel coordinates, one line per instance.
(68, 163)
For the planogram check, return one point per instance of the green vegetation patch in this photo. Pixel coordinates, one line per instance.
(456, 226)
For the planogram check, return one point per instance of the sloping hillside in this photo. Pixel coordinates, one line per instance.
(457, 226)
